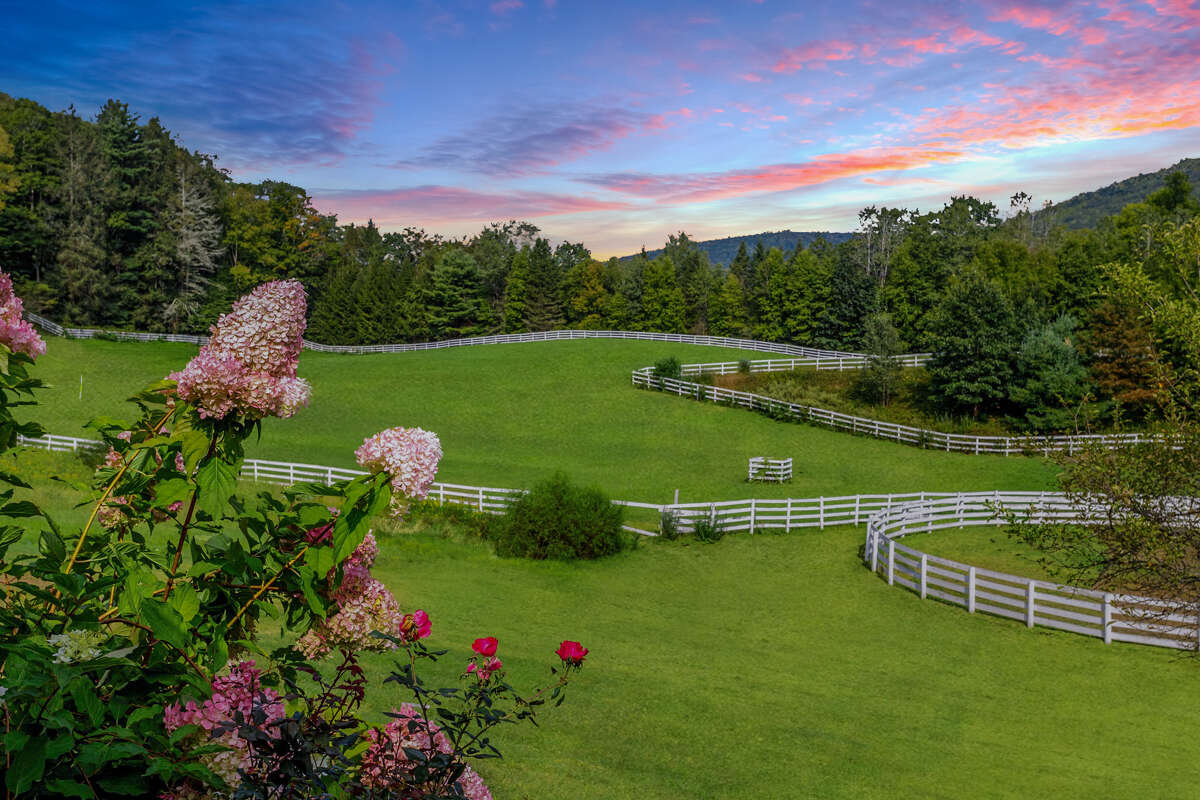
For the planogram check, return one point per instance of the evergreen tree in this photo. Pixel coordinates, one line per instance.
(543, 304)
(516, 293)
(880, 376)
(853, 296)
(740, 266)
(727, 309)
(455, 305)
(196, 230)
(1050, 381)
(662, 299)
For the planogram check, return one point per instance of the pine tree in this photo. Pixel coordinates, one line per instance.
(740, 266)
(455, 306)
(662, 299)
(727, 309)
(516, 292)
(543, 304)
(196, 229)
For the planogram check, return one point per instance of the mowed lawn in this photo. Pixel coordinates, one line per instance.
(509, 415)
(777, 666)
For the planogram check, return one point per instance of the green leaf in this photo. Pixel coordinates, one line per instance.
(14, 479)
(218, 653)
(165, 623)
(308, 579)
(28, 765)
(67, 788)
(125, 784)
(217, 481)
(173, 490)
(84, 695)
(185, 600)
(52, 547)
(140, 583)
(20, 508)
(194, 444)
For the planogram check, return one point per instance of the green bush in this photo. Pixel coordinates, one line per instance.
(668, 367)
(557, 519)
(708, 529)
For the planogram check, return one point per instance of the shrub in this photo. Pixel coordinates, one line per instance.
(708, 529)
(557, 519)
(668, 367)
(744, 366)
(668, 526)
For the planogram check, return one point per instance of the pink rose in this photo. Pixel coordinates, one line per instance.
(485, 647)
(485, 670)
(572, 653)
(415, 626)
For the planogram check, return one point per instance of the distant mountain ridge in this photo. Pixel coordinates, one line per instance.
(722, 251)
(1085, 210)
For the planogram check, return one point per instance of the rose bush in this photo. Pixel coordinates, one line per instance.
(129, 658)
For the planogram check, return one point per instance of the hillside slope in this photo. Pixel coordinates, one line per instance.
(1087, 209)
(722, 251)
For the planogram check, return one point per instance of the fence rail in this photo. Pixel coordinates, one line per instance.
(507, 338)
(918, 437)
(1110, 616)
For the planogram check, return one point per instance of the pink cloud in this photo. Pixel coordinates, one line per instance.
(505, 6)
(750, 77)
(813, 54)
(704, 187)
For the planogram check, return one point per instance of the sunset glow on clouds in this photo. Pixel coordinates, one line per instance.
(620, 122)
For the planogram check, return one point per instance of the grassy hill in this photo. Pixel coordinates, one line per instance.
(722, 251)
(509, 415)
(1087, 209)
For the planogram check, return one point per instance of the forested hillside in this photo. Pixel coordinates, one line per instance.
(111, 222)
(1088, 209)
(722, 251)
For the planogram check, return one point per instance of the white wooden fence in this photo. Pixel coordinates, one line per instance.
(1105, 615)
(769, 469)
(906, 434)
(508, 338)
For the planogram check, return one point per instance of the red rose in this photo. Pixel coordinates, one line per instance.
(485, 647)
(485, 670)
(571, 653)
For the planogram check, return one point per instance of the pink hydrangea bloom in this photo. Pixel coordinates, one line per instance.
(248, 366)
(409, 456)
(363, 604)
(15, 332)
(386, 767)
(239, 691)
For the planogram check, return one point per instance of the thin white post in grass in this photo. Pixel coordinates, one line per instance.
(821, 513)
(441, 494)
(753, 508)
(924, 580)
(971, 589)
(874, 536)
(292, 473)
(1106, 617)
(891, 562)
(481, 498)
(857, 500)
(1030, 600)
(787, 520)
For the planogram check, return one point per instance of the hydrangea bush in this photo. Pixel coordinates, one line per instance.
(129, 660)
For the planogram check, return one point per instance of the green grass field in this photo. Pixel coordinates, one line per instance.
(509, 415)
(777, 666)
(768, 666)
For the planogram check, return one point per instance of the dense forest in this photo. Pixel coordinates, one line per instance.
(111, 222)
(722, 251)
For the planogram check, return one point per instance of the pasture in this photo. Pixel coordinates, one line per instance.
(765, 666)
(509, 415)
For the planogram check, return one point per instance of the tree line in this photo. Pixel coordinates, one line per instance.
(111, 222)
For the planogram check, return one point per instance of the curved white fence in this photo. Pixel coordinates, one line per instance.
(506, 338)
(906, 434)
(1105, 615)
(889, 517)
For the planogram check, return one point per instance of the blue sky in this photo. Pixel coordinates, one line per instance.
(616, 123)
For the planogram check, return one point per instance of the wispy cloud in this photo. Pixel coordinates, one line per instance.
(534, 139)
(441, 204)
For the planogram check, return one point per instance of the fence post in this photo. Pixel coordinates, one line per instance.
(924, 568)
(787, 520)
(753, 506)
(873, 535)
(971, 589)
(1106, 617)
(821, 508)
(255, 463)
(1030, 600)
(891, 562)
(292, 473)
(857, 501)
(441, 494)
(481, 498)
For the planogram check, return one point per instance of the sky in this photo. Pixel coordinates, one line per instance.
(616, 123)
